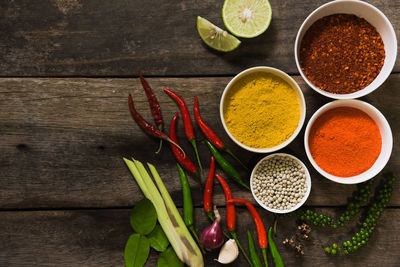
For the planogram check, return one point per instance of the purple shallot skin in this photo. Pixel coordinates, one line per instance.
(212, 237)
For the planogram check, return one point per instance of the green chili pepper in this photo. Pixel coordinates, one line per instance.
(226, 166)
(188, 204)
(274, 251)
(253, 253)
(264, 253)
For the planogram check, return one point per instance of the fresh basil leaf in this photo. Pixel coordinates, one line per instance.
(168, 258)
(158, 239)
(136, 251)
(143, 217)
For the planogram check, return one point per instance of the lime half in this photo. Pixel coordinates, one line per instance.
(247, 18)
(215, 37)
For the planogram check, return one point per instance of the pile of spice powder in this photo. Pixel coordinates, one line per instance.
(341, 53)
(345, 141)
(261, 110)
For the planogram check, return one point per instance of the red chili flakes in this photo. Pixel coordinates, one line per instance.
(341, 53)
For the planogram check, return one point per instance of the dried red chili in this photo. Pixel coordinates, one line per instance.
(150, 129)
(153, 102)
(154, 106)
(341, 53)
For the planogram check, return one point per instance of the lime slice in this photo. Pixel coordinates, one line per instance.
(247, 18)
(215, 37)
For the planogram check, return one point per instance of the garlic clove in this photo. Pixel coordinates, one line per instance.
(229, 252)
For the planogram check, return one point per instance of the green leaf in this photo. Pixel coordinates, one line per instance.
(136, 251)
(158, 239)
(143, 217)
(168, 258)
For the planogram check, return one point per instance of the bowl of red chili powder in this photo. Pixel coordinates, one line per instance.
(345, 49)
(348, 141)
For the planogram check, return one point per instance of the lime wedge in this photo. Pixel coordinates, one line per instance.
(247, 18)
(215, 37)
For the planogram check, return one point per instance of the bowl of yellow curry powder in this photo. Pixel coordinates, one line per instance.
(262, 109)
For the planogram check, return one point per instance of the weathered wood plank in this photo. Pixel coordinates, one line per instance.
(62, 140)
(117, 38)
(97, 238)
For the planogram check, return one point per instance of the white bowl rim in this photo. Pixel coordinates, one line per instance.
(308, 183)
(360, 177)
(361, 92)
(284, 77)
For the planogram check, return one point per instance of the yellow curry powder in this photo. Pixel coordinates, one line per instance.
(262, 110)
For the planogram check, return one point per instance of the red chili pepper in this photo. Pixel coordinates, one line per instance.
(207, 195)
(187, 122)
(185, 113)
(261, 232)
(209, 133)
(231, 214)
(230, 208)
(154, 105)
(148, 128)
(186, 163)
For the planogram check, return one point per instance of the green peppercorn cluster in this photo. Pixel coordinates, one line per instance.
(361, 237)
(360, 196)
(318, 219)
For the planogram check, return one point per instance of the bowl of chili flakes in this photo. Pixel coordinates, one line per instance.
(345, 49)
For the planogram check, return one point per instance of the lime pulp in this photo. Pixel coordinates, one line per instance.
(215, 37)
(246, 18)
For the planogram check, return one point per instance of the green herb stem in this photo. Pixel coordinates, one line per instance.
(234, 236)
(253, 252)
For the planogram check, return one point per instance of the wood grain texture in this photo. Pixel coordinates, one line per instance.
(97, 238)
(62, 140)
(117, 38)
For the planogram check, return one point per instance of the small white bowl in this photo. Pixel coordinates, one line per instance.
(308, 183)
(363, 10)
(284, 77)
(384, 128)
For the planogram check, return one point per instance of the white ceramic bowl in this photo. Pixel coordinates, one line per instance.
(284, 77)
(308, 183)
(363, 10)
(386, 134)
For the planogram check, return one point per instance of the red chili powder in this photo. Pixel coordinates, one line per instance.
(341, 53)
(345, 141)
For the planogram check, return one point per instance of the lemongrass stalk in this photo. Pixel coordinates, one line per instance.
(152, 193)
(167, 213)
(171, 230)
(196, 259)
(132, 167)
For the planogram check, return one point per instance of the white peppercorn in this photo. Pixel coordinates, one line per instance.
(280, 182)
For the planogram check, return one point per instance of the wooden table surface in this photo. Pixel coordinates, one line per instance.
(66, 69)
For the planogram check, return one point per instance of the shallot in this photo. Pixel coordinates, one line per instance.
(212, 237)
